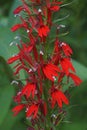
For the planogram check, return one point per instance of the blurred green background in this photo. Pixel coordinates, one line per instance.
(76, 25)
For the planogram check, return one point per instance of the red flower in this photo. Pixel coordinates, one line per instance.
(59, 97)
(22, 25)
(13, 59)
(43, 31)
(16, 27)
(66, 65)
(75, 78)
(18, 9)
(17, 98)
(32, 110)
(54, 8)
(17, 109)
(51, 71)
(28, 89)
(66, 48)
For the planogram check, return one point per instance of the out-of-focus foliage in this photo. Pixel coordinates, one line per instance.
(76, 26)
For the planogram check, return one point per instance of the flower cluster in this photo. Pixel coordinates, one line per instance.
(47, 73)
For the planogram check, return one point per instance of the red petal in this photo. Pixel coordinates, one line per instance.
(28, 89)
(55, 8)
(17, 109)
(32, 110)
(16, 27)
(13, 59)
(76, 79)
(18, 9)
(67, 50)
(66, 65)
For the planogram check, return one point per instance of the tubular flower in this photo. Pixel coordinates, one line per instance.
(32, 110)
(17, 109)
(13, 59)
(43, 31)
(66, 65)
(75, 78)
(46, 64)
(18, 10)
(28, 89)
(54, 8)
(59, 97)
(51, 71)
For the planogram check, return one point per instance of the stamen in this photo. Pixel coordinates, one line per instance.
(11, 43)
(53, 115)
(17, 37)
(54, 78)
(63, 44)
(41, 52)
(28, 31)
(39, 10)
(61, 26)
(14, 82)
(30, 70)
(27, 109)
(18, 93)
(17, 15)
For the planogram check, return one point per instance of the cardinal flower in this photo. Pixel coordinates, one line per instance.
(51, 71)
(75, 78)
(66, 48)
(54, 8)
(58, 97)
(32, 110)
(66, 65)
(18, 9)
(43, 31)
(13, 59)
(17, 109)
(28, 89)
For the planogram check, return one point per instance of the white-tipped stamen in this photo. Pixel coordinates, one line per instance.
(17, 37)
(53, 115)
(28, 31)
(39, 10)
(61, 26)
(27, 109)
(11, 43)
(54, 78)
(63, 44)
(17, 15)
(18, 93)
(41, 52)
(14, 82)
(30, 70)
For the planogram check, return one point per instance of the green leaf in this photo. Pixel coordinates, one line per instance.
(6, 90)
(10, 121)
(6, 37)
(6, 93)
(73, 126)
(81, 70)
(5, 72)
